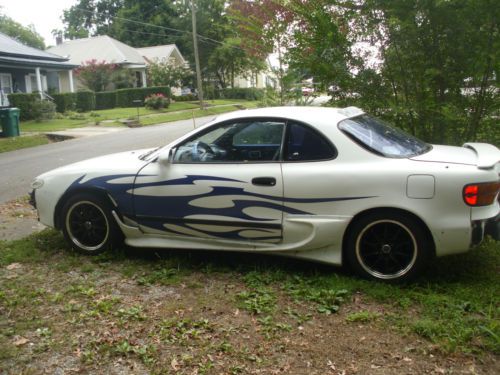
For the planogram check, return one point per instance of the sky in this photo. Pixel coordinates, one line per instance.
(45, 15)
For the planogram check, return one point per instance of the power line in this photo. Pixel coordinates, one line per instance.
(161, 27)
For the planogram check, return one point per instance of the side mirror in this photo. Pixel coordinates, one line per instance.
(166, 156)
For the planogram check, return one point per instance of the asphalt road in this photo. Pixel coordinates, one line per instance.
(18, 168)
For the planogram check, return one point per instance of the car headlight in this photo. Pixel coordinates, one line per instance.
(37, 184)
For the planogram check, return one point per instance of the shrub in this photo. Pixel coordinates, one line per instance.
(65, 102)
(249, 93)
(105, 100)
(156, 101)
(25, 104)
(184, 98)
(43, 110)
(85, 101)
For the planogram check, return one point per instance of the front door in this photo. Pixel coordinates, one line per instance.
(225, 182)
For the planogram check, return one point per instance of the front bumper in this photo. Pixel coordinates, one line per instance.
(32, 199)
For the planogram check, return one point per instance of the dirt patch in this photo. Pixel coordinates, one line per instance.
(18, 219)
(75, 315)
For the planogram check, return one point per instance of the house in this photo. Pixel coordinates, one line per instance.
(166, 53)
(27, 69)
(261, 80)
(103, 48)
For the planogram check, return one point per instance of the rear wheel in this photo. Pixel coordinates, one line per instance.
(388, 247)
(88, 225)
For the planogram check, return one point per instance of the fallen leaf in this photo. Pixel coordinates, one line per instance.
(174, 364)
(21, 341)
(331, 365)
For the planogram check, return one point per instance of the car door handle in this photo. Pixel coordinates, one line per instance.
(264, 181)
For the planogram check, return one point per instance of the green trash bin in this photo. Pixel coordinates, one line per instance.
(9, 117)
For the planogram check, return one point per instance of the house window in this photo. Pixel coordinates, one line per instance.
(6, 83)
(31, 84)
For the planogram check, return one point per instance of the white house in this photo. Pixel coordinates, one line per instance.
(103, 48)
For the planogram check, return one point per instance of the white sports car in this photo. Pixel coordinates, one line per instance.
(331, 185)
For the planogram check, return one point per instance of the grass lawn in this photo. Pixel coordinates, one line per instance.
(16, 143)
(196, 112)
(148, 116)
(184, 312)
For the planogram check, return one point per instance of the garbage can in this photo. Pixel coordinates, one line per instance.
(9, 117)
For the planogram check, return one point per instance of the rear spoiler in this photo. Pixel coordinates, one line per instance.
(487, 155)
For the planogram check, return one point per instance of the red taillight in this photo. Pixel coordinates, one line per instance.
(481, 194)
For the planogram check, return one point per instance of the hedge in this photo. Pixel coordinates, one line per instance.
(105, 100)
(184, 98)
(25, 103)
(65, 102)
(126, 97)
(85, 101)
(249, 93)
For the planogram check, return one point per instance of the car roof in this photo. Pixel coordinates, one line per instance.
(304, 114)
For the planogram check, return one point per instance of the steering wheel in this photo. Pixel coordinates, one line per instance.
(201, 150)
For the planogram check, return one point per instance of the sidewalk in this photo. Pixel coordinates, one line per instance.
(86, 131)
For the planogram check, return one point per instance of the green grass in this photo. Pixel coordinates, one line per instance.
(455, 304)
(110, 117)
(189, 114)
(16, 143)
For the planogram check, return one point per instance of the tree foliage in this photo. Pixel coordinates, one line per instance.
(95, 75)
(164, 73)
(430, 66)
(24, 34)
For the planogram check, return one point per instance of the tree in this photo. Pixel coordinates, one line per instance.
(264, 27)
(25, 35)
(90, 17)
(96, 75)
(439, 60)
(164, 73)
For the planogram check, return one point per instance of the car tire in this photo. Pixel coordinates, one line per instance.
(390, 247)
(88, 225)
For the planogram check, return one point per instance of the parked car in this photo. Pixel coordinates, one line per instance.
(331, 185)
(307, 91)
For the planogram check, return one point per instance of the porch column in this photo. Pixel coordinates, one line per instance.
(71, 86)
(39, 82)
(143, 75)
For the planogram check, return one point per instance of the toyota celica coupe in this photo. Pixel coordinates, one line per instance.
(330, 185)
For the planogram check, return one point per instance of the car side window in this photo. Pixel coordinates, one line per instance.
(306, 144)
(234, 142)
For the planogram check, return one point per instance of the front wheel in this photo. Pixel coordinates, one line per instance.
(389, 247)
(88, 225)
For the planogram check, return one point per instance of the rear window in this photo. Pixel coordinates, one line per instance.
(379, 137)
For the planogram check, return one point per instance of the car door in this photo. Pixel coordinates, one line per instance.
(224, 182)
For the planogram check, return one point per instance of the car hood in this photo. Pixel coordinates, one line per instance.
(122, 162)
(481, 155)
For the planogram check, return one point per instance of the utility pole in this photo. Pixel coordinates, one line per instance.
(196, 57)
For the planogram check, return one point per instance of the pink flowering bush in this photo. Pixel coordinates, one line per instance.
(156, 101)
(96, 75)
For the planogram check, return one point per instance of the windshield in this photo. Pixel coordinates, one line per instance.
(381, 138)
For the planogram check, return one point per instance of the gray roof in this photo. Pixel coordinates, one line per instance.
(19, 62)
(159, 53)
(100, 48)
(13, 48)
